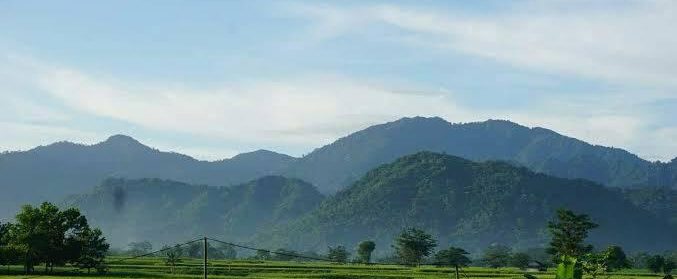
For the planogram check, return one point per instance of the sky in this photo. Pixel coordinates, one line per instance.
(212, 79)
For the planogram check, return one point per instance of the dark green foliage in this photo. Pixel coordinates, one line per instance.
(520, 260)
(655, 263)
(413, 245)
(48, 235)
(496, 256)
(616, 258)
(338, 254)
(364, 250)
(569, 232)
(88, 249)
(594, 264)
(467, 204)
(660, 201)
(169, 211)
(452, 256)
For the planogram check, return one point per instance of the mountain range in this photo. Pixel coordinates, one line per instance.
(55, 171)
(461, 202)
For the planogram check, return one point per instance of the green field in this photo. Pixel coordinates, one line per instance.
(192, 268)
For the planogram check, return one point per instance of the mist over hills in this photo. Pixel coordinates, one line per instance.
(55, 171)
(165, 211)
(470, 205)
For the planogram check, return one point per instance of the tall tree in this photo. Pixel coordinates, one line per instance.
(616, 258)
(569, 232)
(364, 250)
(412, 245)
(655, 263)
(496, 256)
(338, 254)
(452, 256)
(520, 260)
(91, 248)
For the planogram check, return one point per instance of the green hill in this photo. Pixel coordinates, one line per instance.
(164, 211)
(470, 205)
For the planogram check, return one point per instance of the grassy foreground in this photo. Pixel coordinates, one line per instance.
(192, 268)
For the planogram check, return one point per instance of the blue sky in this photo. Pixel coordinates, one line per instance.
(215, 78)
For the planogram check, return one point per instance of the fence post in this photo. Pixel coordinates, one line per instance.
(205, 257)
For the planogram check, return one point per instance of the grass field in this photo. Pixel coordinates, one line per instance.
(192, 268)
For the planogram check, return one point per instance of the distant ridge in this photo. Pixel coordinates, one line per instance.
(164, 211)
(337, 165)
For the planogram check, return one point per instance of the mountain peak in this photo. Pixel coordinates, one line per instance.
(119, 138)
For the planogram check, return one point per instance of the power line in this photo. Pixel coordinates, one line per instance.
(272, 252)
(154, 252)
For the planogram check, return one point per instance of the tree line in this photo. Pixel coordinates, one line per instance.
(48, 235)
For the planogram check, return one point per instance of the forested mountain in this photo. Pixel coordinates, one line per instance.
(662, 202)
(55, 171)
(164, 211)
(52, 172)
(335, 166)
(468, 204)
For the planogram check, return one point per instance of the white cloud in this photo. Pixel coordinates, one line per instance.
(633, 42)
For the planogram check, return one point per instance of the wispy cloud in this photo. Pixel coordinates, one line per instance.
(621, 42)
(306, 112)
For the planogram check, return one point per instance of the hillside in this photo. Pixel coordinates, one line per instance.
(470, 205)
(337, 165)
(55, 171)
(164, 211)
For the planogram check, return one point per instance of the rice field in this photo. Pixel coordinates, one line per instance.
(192, 268)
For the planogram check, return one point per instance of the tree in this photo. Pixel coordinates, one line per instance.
(520, 260)
(338, 254)
(90, 247)
(452, 256)
(364, 250)
(173, 256)
(496, 256)
(412, 245)
(569, 232)
(668, 265)
(655, 263)
(46, 234)
(140, 248)
(595, 264)
(616, 258)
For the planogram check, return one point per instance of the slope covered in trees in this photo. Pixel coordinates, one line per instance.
(166, 211)
(469, 205)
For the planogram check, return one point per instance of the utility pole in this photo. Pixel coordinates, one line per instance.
(204, 253)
